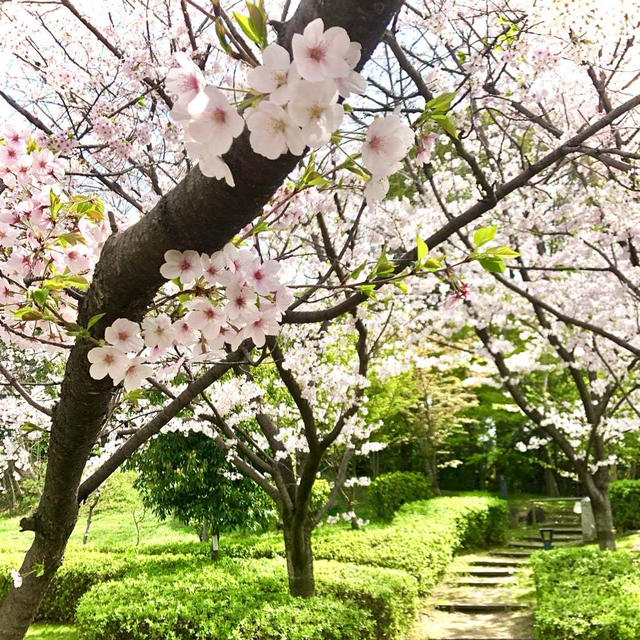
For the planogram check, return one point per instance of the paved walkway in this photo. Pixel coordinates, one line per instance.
(486, 596)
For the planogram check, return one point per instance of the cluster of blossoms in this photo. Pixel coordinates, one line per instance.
(296, 106)
(48, 240)
(347, 516)
(232, 296)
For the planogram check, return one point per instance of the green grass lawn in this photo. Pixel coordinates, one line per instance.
(119, 520)
(52, 632)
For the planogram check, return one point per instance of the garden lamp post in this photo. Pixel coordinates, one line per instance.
(546, 534)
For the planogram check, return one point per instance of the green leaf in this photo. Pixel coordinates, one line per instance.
(441, 103)
(70, 238)
(247, 26)
(261, 227)
(433, 264)
(421, 248)
(357, 271)
(502, 251)
(28, 313)
(67, 280)
(447, 124)
(221, 32)
(94, 319)
(39, 295)
(492, 264)
(259, 20)
(484, 235)
(402, 285)
(368, 289)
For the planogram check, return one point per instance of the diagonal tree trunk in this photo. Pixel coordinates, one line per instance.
(200, 214)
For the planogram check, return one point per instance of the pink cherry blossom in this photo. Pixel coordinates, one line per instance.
(107, 361)
(274, 75)
(273, 132)
(217, 125)
(206, 317)
(241, 303)
(185, 265)
(319, 54)
(135, 374)
(387, 142)
(183, 332)
(187, 83)
(266, 323)
(314, 108)
(124, 335)
(158, 331)
(263, 277)
(213, 267)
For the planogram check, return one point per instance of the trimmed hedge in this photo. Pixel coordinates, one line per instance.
(422, 538)
(81, 571)
(625, 503)
(368, 581)
(233, 599)
(586, 594)
(389, 491)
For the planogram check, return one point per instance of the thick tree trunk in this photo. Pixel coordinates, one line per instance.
(603, 517)
(200, 214)
(597, 488)
(297, 542)
(550, 483)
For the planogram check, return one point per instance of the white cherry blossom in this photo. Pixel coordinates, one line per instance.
(387, 142)
(319, 54)
(124, 335)
(353, 82)
(135, 373)
(314, 108)
(210, 163)
(263, 277)
(274, 75)
(158, 331)
(187, 83)
(107, 361)
(241, 303)
(217, 125)
(185, 265)
(273, 132)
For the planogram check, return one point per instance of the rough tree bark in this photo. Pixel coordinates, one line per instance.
(297, 543)
(199, 214)
(597, 488)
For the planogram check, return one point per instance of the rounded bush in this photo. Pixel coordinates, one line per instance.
(625, 503)
(389, 491)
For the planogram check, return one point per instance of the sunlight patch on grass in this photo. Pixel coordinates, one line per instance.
(52, 632)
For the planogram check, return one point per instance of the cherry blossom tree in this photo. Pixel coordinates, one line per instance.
(135, 267)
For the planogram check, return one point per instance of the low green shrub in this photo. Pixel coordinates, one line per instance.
(83, 570)
(421, 539)
(389, 491)
(625, 503)
(586, 594)
(232, 599)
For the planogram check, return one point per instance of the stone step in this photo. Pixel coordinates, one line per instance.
(510, 553)
(487, 607)
(497, 562)
(486, 572)
(563, 537)
(524, 544)
(577, 531)
(484, 582)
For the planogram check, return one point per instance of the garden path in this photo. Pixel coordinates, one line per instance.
(488, 596)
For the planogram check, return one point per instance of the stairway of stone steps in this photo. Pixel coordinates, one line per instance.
(488, 596)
